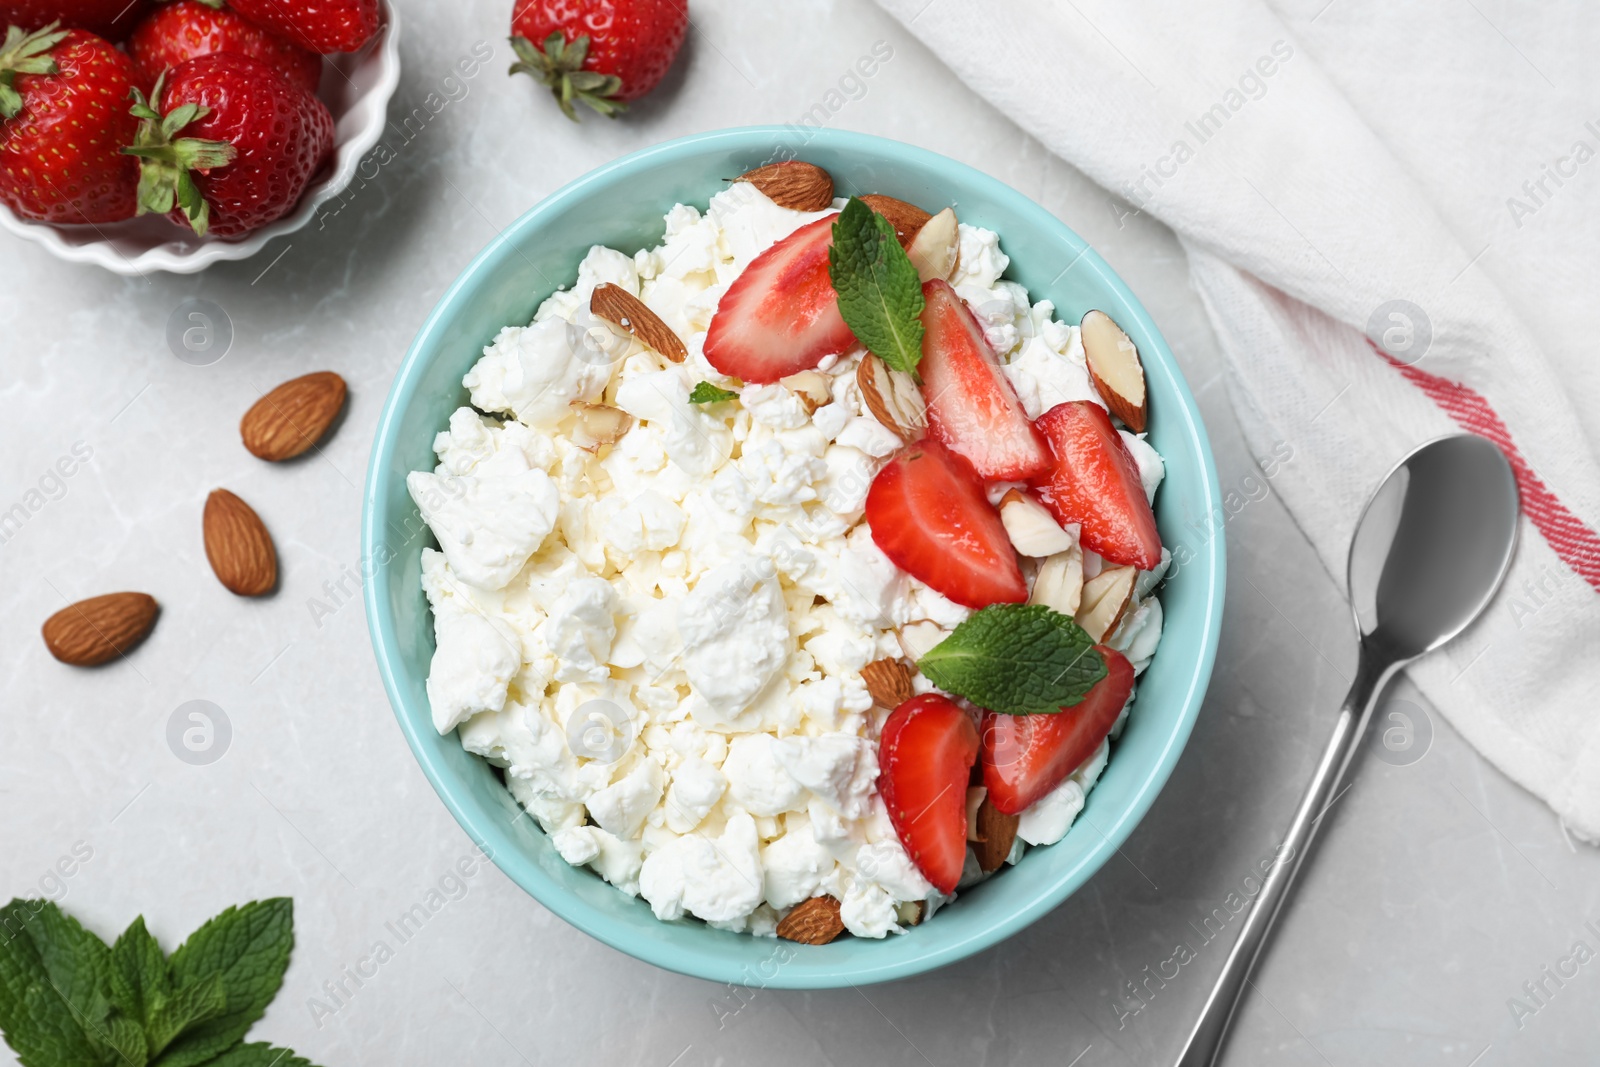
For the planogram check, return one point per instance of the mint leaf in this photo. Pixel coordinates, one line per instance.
(201, 1000)
(52, 978)
(123, 1041)
(1016, 659)
(880, 295)
(138, 972)
(258, 1054)
(706, 393)
(248, 947)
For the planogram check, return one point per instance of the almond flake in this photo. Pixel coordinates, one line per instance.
(893, 398)
(996, 833)
(814, 388)
(599, 424)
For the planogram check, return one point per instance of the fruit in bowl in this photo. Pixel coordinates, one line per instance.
(741, 650)
(680, 514)
(210, 118)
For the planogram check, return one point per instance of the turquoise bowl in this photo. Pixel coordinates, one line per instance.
(621, 205)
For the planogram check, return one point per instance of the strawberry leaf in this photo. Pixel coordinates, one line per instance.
(558, 65)
(880, 295)
(1016, 659)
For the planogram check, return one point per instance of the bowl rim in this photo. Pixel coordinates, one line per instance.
(347, 157)
(493, 837)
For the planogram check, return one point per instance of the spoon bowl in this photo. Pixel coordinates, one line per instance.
(1432, 546)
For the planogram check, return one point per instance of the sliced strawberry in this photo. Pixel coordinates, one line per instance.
(781, 316)
(929, 515)
(1094, 481)
(927, 747)
(971, 405)
(1026, 756)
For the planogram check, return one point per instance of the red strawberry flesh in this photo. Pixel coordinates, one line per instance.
(781, 316)
(1027, 756)
(971, 406)
(930, 516)
(926, 751)
(1094, 481)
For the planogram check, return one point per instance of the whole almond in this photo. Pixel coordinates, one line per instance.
(292, 417)
(888, 681)
(100, 629)
(812, 922)
(629, 314)
(238, 545)
(907, 219)
(996, 832)
(793, 184)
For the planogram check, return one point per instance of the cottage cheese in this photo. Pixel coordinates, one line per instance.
(661, 642)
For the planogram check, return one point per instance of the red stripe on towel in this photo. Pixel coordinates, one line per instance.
(1576, 544)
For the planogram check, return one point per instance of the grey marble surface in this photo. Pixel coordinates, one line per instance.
(1438, 888)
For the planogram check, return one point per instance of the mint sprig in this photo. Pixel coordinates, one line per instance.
(1016, 659)
(706, 393)
(880, 294)
(68, 1000)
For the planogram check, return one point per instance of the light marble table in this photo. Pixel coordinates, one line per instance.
(1438, 890)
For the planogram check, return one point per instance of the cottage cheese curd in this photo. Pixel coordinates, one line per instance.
(661, 641)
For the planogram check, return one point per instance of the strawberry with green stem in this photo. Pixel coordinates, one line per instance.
(602, 53)
(253, 144)
(165, 181)
(65, 120)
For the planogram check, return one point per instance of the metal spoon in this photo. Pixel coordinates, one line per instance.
(1430, 550)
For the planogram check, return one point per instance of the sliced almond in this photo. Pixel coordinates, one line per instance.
(1106, 597)
(812, 922)
(889, 682)
(1114, 364)
(599, 424)
(293, 417)
(238, 545)
(893, 398)
(1032, 529)
(976, 795)
(920, 638)
(997, 832)
(100, 629)
(907, 219)
(1059, 583)
(814, 388)
(911, 912)
(936, 248)
(793, 184)
(627, 313)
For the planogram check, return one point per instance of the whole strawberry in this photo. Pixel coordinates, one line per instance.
(251, 144)
(111, 19)
(189, 28)
(63, 102)
(324, 26)
(602, 52)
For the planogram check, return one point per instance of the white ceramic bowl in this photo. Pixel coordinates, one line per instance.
(355, 86)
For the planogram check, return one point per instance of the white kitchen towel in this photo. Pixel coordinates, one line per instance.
(1425, 173)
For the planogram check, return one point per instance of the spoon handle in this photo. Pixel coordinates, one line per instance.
(1205, 1040)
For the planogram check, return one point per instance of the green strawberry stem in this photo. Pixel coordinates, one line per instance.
(25, 53)
(560, 67)
(165, 164)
